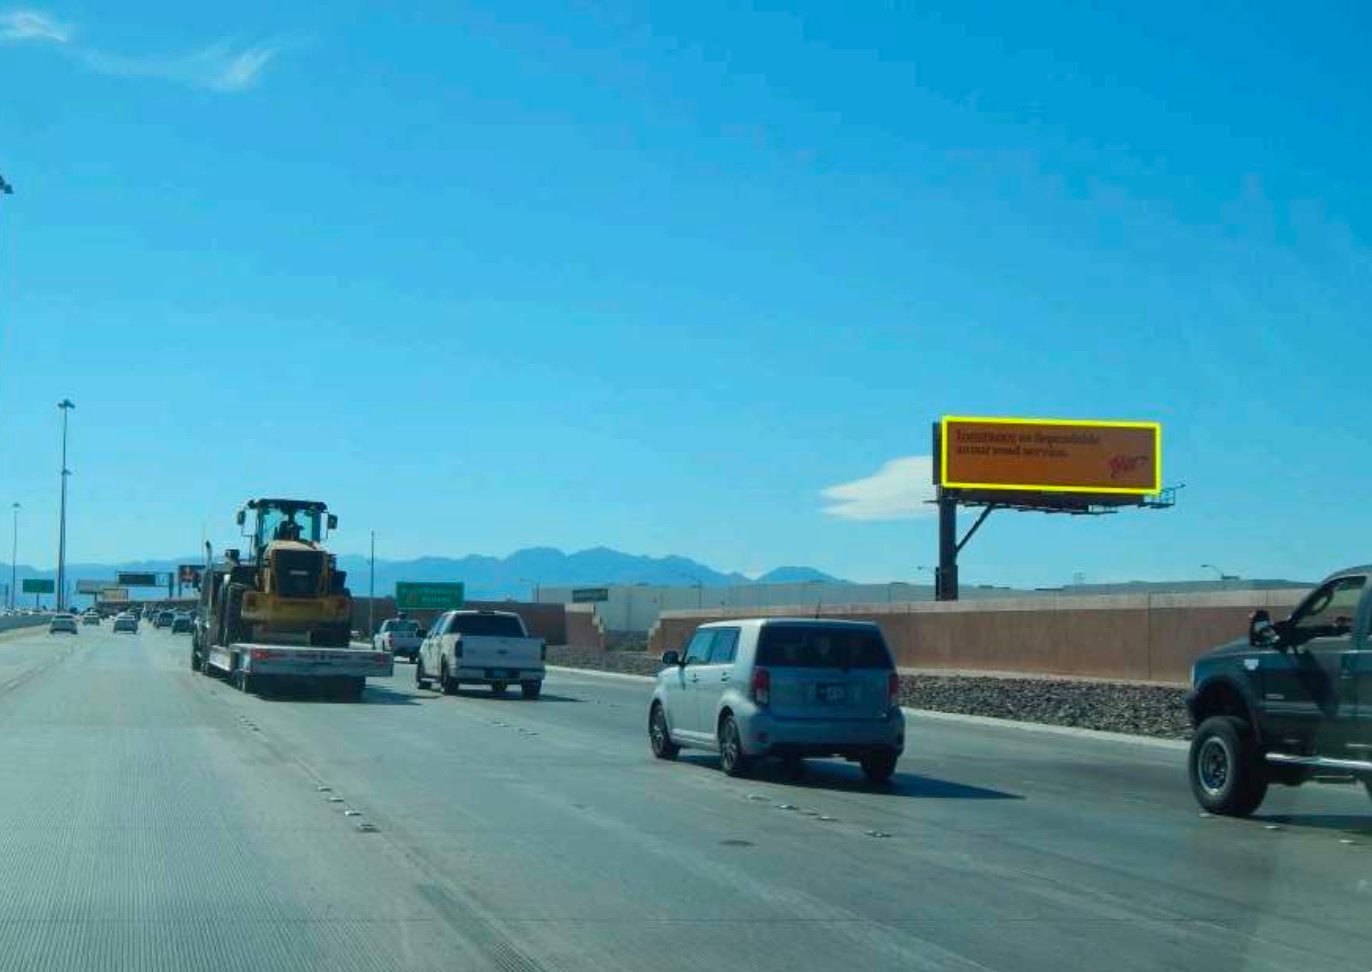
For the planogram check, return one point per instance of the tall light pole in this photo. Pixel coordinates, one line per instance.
(14, 550)
(371, 591)
(1215, 569)
(66, 406)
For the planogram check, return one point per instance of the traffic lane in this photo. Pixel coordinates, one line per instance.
(145, 826)
(561, 825)
(25, 651)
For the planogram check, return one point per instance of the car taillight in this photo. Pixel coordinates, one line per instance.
(457, 647)
(390, 641)
(543, 652)
(893, 690)
(263, 654)
(760, 687)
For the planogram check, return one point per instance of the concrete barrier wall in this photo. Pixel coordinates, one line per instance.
(11, 622)
(546, 621)
(584, 627)
(1133, 637)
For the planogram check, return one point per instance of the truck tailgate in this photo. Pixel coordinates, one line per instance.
(489, 651)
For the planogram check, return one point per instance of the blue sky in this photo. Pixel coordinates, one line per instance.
(486, 276)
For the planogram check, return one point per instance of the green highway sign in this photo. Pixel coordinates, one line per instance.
(38, 585)
(590, 595)
(428, 597)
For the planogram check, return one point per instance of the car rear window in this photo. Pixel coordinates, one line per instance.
(820, 646)
(486, 625)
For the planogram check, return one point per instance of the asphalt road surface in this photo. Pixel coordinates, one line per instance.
(153, 818)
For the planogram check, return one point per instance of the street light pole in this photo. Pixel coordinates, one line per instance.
(371, 591)
(66, 406)
(1214, 568)
(14, 551)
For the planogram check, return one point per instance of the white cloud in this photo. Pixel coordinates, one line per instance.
(219, 67)
(899, 490)
(222, 66)
(31, 25)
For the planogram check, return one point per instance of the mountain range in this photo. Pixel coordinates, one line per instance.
(494, 578)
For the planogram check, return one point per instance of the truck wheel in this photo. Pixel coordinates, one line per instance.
(1367, 785)
(531, 690)
(878, 766)
(420, 679)
(498, 688)
(449, 685)
(1226, 775)
(732, 760)
(659, 737)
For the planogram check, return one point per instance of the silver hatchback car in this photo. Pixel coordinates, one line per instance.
(785, 687)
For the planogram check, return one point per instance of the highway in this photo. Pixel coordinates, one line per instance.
(156, 819)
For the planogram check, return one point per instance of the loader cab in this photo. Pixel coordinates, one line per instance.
(268, 521)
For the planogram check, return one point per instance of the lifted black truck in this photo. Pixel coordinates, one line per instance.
(1290, 703)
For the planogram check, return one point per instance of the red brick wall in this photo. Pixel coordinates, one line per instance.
(1113, 636)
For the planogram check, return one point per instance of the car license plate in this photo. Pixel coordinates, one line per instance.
(831, 693)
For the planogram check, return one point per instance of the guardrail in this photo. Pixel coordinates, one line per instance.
(13, 621)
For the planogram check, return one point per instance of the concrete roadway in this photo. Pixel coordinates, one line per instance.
(154, 818)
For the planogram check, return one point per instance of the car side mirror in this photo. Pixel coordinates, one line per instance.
(240, 518)
(1262, 633)
(333, 522)
(670, 659)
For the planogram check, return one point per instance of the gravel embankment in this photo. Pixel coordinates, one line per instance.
(1145, 710)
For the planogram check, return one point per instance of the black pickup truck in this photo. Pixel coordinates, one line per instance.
(1290, 703)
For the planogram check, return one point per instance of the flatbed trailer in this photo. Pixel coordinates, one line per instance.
(253, 667)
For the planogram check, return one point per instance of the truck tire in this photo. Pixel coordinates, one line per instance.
(531, 690)
(448, 685)
(1367, 785)
(420, 679)
(1225, 767)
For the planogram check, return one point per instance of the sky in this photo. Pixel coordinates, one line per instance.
(685, 278)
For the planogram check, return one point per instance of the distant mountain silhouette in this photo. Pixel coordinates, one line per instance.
(493, 578)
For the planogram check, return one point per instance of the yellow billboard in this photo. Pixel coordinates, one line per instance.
(1050, 455)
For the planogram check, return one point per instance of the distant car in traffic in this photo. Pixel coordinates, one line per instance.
(62, 622)
(481, 648)
(182, 624)
(399, 636)
(163, 619)
(781, 687)
(90, 617)
(126, 622)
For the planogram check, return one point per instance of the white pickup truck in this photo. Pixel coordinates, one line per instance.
(481, 648)
(400, 637)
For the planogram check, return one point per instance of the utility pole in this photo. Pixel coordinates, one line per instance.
(14, 551)
(371, 591)
(7, 190)
(66, 406)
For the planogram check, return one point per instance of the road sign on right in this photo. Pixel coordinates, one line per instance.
(1050, 455)
(428, 596)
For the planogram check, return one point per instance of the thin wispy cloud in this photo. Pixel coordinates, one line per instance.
(222, 66)
(900, 490)
(33, 25)
(219, 67)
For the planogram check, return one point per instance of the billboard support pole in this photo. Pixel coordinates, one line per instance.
(946, 579)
